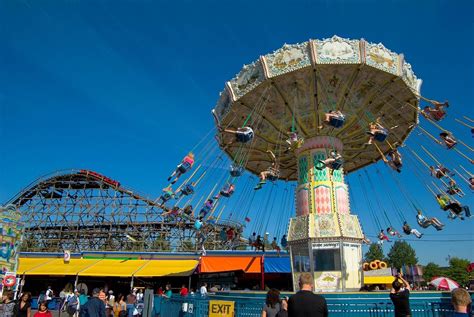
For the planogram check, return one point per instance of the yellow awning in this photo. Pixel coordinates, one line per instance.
(167, 267)
(119, 268)
(378, 279)
(59, 267)
(106, 267)
(26, 264)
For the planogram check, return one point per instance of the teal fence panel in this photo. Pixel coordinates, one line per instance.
(341, 305)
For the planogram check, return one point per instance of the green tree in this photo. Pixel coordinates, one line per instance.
(375, 252)
(401, 253)
(457, 270)
(431, 270)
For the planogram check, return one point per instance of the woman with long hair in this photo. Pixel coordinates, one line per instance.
(23, 307)
(272, 303)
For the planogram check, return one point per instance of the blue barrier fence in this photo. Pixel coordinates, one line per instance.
(348, 305)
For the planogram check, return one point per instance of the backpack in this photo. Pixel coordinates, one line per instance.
(71, 304)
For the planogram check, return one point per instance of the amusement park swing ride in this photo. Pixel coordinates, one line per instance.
(308, 115)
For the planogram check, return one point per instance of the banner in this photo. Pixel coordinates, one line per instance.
(11, 230)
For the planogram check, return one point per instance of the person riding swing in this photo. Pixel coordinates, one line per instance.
(334, 118)
(377, 132)
(333, 162)
(185, 165)
(236, 170)
(272, 173)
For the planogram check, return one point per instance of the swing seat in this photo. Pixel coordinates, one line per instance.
(272, 178)
(165, 197)
(188, 190)
(235, 173)
(273, 174)
(244, 137)
(226, 194)
(337, 164)
(336, 122)
(184, 167)
(424, 224)
(380, 136)
(438, 115)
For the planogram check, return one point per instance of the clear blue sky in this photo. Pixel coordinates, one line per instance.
(126, 87)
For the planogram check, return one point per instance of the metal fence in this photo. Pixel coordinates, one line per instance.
(246, 307)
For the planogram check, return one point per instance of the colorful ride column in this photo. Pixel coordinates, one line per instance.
(324, 238)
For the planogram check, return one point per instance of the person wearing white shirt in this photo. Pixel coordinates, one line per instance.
(203, 289)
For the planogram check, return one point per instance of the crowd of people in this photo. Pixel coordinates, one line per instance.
(75, 303)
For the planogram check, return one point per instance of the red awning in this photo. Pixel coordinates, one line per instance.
(248, 264)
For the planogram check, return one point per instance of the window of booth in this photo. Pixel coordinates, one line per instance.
(327, 260)
(301, 262)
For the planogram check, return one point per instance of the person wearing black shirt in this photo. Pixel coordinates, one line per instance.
(400, 296)
(306, 304)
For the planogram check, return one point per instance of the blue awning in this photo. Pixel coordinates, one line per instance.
(277, 265)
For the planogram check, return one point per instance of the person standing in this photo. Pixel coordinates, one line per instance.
(284, 308)
(184, 291)
(8, 304)
(49, 294)
(110, 303)
(400, 296)
(23, 307)
(305, 303)
(203, 289)
(43, 310)
(95, 307)
(82, 298)
(461, 301)
(272, 303)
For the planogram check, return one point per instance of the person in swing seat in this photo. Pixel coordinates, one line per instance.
(377, 132)
(448, 139)
(206, 208)
(272, 173)
(334, 161)
(393, 232)
(425, 222)
(294, 142)
(383, 237)
(242, 135)
(186, 190)
(440, 171)
(435, 114)
(226, 191)
(395, 161)
(236, 170)
(408, 230)
(168, 194)
(185, 165)
(334, 118)
(453, 189)
(455, 208)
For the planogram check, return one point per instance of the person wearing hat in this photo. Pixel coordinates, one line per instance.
(94, 306)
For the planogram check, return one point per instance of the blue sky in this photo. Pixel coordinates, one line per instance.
(126, 87)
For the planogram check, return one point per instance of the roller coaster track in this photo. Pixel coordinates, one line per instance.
(81, 210)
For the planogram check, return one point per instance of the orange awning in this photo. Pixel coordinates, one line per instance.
(248, 264)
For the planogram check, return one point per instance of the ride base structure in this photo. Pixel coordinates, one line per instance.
(324, 238)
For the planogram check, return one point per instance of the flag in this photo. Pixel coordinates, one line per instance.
(247, 219)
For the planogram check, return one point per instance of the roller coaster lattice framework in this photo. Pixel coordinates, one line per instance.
(81, 210)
